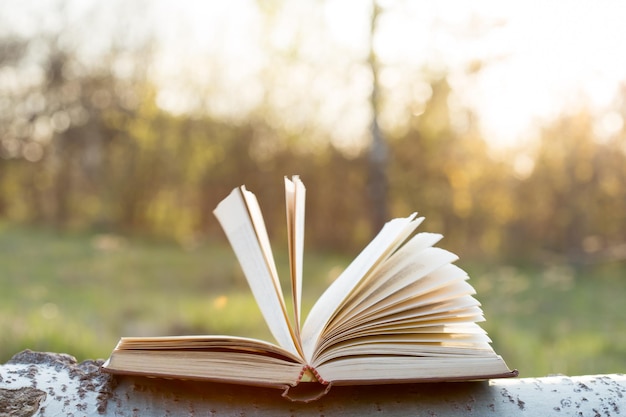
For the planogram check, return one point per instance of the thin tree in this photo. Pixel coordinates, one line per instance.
(378, 153)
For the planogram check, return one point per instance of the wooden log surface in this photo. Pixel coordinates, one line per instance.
(52, 384)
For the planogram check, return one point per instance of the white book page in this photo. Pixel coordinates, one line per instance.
(439, 366)
(199, 342)
(392, 234)
(295, 194)
(461, 310)
(225, 366)
(242, 221)
(409, 301)
(467, 337)
(405, 267)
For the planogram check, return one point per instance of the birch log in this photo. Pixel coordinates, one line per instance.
(52, 384)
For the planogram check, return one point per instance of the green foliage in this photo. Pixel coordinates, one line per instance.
(91, 150)
(79, 293)
(556, 319)
(145, 172)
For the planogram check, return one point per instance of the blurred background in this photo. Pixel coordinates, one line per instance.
(123, 124)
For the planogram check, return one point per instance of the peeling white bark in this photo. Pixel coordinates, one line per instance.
(50, 384)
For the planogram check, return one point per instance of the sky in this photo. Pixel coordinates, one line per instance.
(537, 58)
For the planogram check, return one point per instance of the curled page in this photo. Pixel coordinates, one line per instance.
(295, 199)
(242, 221)
(392, 234)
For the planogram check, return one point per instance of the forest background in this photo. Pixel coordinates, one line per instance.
(97, 145)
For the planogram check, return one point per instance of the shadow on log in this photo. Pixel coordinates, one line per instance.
(51, 384)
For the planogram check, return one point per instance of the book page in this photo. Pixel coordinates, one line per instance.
(438, 367)
(200, 342)
(431, 290)
(414, 260)
(242, 221)
(424, 297)
(216, 358)
(295, 194)
(450, 306)
(225, 366)
(393, 233)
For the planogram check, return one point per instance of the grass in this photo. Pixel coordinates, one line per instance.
(79, 293)
(557, 319)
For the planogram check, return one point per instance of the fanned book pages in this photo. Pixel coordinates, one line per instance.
(400, 312)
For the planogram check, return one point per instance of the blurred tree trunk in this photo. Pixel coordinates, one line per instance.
(3, 204)
(377, 181)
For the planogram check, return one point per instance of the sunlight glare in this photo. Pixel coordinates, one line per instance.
(514, 64)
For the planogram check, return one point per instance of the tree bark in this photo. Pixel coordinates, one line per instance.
(51, 384)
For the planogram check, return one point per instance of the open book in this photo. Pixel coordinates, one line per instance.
(400, 312)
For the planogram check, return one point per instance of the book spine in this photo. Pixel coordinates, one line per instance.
(310, 374)
(309, 387)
